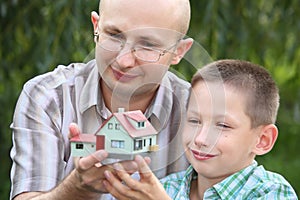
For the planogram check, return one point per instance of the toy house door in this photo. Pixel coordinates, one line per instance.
(100, 142)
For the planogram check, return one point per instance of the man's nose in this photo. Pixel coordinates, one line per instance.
(126, 58)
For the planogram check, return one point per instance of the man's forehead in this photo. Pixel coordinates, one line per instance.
(142, 33)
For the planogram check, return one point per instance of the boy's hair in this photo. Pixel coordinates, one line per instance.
(255, 82)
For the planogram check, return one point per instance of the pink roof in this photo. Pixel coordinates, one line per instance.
(89, 138)
(136, 115)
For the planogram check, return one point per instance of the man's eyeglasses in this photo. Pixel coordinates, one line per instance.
(143, 53)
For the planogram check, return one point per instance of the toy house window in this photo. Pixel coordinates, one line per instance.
(118, 144)
(110, 125)
(138, 144)
(117, 126)
(79, 146)
(141, 124)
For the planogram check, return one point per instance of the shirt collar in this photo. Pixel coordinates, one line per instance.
(185, 187)
(161, 106)
(236, 180)
(90, 92)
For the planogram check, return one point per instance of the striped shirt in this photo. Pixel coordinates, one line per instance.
(50, 102)
(253, 182)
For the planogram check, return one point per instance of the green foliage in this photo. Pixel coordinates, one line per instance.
(36, 36)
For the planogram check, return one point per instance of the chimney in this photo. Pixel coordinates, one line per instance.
(121, 110)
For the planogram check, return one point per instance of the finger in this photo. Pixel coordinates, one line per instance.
(121, 172)
(90, 161)
(126, 177)
(142, 164)
(115, 187)
(73, 130)
(129, 166)
(148, 160)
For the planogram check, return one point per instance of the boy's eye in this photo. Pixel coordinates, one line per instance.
(223, 125)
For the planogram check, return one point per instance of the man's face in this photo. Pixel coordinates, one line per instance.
(135, 25)
(217, 136)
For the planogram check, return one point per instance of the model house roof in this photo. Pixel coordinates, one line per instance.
(138, 116)
(88, 138)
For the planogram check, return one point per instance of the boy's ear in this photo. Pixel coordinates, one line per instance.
(183, 47)
(266, 140)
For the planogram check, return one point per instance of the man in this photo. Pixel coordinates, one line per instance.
(136, 42)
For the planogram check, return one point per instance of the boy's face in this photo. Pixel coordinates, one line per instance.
(217, 135)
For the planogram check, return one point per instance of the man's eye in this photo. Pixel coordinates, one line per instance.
(147, 44)
(114, 35)
(194, 121)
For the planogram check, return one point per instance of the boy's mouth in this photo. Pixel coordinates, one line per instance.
(201, 155)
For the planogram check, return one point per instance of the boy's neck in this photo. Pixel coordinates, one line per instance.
(200, 185)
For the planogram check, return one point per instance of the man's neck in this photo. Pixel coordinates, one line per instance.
(133, 102)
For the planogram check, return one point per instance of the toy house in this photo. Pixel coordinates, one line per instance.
(83, 145)
(122, 135)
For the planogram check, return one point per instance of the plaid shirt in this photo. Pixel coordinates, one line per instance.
(253, 182)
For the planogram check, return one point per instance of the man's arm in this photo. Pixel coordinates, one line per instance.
(67, 189)
(85, 181)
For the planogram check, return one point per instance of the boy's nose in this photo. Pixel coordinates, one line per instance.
(204, 136)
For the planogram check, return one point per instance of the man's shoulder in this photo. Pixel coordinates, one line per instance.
(177, 84)
(176, 79)
(62, 74)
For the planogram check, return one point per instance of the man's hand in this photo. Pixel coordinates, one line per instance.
(123, 187)
(89, 170)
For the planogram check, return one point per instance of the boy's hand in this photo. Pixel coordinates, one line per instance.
(122, 186)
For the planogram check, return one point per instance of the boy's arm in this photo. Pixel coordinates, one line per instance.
(122, 186)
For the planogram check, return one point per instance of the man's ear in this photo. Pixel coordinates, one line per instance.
(95, 18)
(183, 47)
(266, 139)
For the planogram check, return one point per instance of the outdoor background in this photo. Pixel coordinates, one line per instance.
(38, 35)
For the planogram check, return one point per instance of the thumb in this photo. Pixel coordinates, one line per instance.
(73, 130)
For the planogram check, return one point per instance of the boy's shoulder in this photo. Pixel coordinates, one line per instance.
(255, 181)
(178, 184)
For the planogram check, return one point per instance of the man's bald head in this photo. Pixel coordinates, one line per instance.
(178, 10)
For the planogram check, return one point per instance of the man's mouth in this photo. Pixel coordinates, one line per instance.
(123, 77)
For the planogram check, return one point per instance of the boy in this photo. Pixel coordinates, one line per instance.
(230, 119)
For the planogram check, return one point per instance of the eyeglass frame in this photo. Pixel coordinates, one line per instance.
(133, 49)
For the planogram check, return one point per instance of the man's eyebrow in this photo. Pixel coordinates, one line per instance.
(145, 37)
(110, 27)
